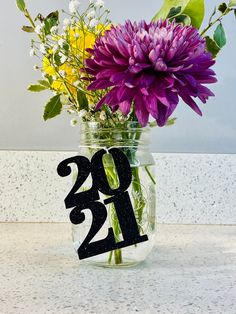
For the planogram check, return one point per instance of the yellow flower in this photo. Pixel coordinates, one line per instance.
(82, 39)
(47, 68)
(70, 76)
(79, 40)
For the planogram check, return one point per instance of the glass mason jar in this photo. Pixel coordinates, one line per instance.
(133, 141)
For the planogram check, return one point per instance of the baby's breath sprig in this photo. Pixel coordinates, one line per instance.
(62, 48)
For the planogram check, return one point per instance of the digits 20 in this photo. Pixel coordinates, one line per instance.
(89, 199)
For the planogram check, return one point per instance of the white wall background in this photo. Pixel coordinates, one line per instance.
(21, 124)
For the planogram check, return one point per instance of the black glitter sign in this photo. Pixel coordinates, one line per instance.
(89, 199)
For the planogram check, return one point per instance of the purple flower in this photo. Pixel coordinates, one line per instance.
(150, 66)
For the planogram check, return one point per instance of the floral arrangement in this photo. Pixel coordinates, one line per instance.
(125, 77)
(112, 73)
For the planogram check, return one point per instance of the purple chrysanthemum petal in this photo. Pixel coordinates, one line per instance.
(164, 113)
(125, 93)
(125, 107)
(141, 110)
(151, 105)
(100, 84)
(151, 66)
(101, 103)
(191, 103)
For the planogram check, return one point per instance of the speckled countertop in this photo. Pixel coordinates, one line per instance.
(191, 270)
(191, 189)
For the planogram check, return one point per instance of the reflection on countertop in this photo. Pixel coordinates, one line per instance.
(191, 270)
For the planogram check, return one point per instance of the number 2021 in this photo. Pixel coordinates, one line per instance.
(89, 199)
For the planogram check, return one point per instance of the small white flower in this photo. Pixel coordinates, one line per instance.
(62, 73)
(93, 23)
(43, 48)
(102, 116)
(44, 74)
(73, 6)
(66, 22)
(38, 28)
(71, 111)
(91, 14)
(63, 58)
(121, 117)
(99, 3)
(54, 78)
(73, 122)
(54, 48)
(76, 83)
(61, 42)
(83, 113)
(54, 29)
(91, 106)
(64, 100)
(32, 52)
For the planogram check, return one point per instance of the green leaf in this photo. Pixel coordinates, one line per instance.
(184, 19)
(50, 79)
(212, 46)
(171, 121)
(44, 83)
(28, 29)
(173, 12)
(82, 100)
(232, 3)
(53, 15)
(222, 7)
(66, 47)
(53, 107)
(153, 124)
(57, 59)
(39, 17)
(36, 88)
(50, 21)
(195, 9)
(20, 5)
(235, 13)
(219, 36)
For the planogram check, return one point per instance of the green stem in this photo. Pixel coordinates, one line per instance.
(150, 175)
(118, 257)
(65, 84)
(114, 182)
(216, 21)
(110, 257)
(139, 202)
(28, 16)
